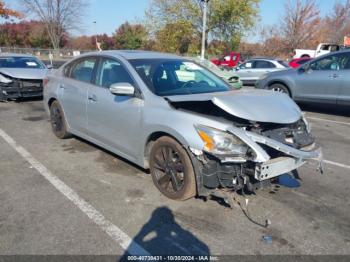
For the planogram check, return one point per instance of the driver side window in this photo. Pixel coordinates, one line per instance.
(247, 65)
(332, 62)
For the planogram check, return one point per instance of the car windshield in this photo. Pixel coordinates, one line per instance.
(178, 77)
(21, 62)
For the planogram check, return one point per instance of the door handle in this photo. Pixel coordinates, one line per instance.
(92, 98)
(334, 76)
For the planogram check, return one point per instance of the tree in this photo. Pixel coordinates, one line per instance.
(300, 24)
(228, 20)
(58, 16)
(175, 37)
(129, 36)
(7, 13)
(337, 24)
(24, 34)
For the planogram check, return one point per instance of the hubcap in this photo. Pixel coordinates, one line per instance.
(56, 119)
(169, 169)
(278, 89)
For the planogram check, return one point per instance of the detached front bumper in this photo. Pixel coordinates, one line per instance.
(218, 172)
(21, 88)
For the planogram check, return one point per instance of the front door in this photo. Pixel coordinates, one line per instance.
(114, 120)
(321, 81)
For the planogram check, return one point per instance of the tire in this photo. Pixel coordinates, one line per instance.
(58, 121)
(280, 88)
(171, 169)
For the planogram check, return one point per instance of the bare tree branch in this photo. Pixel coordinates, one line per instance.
(58, 16)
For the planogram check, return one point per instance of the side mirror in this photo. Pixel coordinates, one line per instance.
(122, 89)
(304, 69)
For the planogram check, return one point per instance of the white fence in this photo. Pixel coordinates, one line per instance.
(44, 53)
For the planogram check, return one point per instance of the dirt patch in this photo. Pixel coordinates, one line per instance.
(34, 118)
(277, 237)
(36, 107)
(135, 193)
(199, 223)
(3, 109)
(113, 164)
(75, 146)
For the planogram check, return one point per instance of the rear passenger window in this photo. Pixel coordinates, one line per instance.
(83, 70)
(263, 64)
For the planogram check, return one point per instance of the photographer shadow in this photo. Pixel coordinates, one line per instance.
(161, 235)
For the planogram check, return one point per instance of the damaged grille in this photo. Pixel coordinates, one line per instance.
(294, 135)
(30, 84)
(21, 88)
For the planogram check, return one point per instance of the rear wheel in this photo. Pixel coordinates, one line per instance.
(280, 88)
(58, 121)
(171, 169)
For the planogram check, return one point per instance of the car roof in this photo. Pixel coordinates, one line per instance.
(264, 59)
(15, 55)
(135, 54)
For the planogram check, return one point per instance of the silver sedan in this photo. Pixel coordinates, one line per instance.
(251, 70)
(188, 126)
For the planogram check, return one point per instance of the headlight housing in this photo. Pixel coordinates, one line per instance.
(218, 142)
(4, 80)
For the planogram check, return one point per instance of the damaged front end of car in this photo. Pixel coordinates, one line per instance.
(257, 158)
(13, 88)
(249, 154)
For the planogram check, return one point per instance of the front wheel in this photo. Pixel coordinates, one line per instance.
(280, 88)
(171, 169)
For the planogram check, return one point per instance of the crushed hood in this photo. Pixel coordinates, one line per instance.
(253, 105)
(24, 73)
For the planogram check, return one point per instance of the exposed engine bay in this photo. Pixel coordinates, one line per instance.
(274, 149)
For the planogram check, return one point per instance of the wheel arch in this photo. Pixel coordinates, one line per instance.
(150, 141)
(273, 82)
(51, 100)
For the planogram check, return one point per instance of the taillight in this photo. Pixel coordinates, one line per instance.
(45, 81)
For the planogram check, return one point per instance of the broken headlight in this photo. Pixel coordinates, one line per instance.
(4, 80)
(219, 142)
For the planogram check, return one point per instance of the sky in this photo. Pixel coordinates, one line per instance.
(109, 14)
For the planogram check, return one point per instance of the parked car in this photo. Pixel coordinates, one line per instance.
(323, 80)
(229, 60)
(195, 135)
(21, 76)
(296, 62)
(228, 75)
(322, 49)
(250, 71)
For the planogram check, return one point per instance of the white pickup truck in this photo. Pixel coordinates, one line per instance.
(322, 49)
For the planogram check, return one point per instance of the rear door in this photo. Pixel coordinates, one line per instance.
(262, 67)
(114, 120)
(322, 81)
(73, 90)
(245, 71)
(344, 92)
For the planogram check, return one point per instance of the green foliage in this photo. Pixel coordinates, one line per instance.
(176, 38)
(129, 36)
(228, 20)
